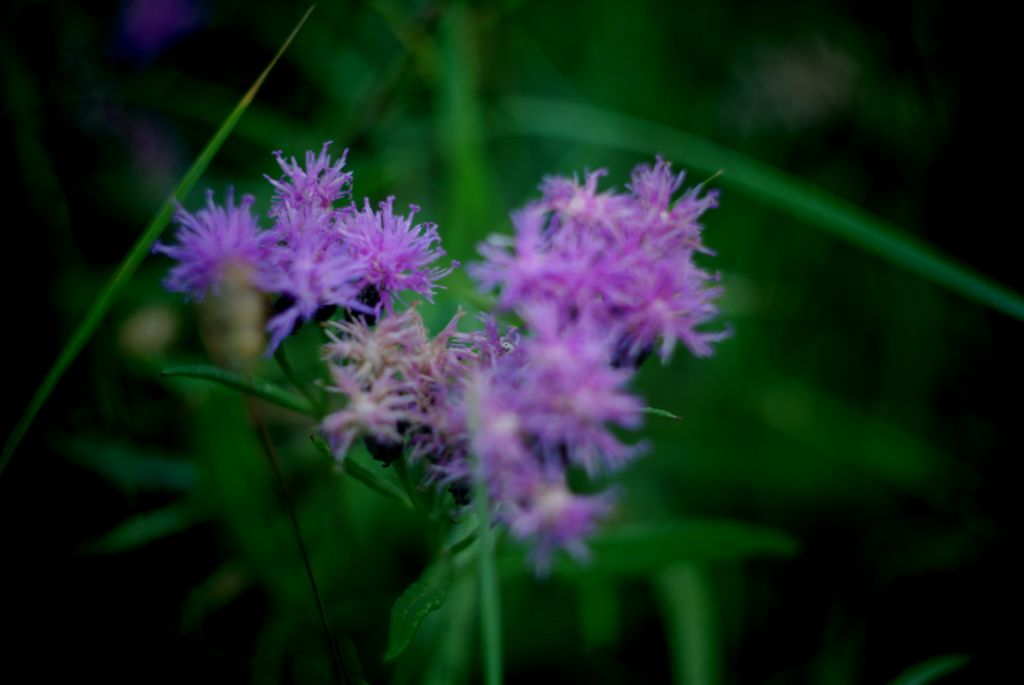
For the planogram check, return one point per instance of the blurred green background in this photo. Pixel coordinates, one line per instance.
(861, 417)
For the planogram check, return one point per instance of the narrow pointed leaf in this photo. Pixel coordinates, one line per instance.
(931, 670)
(94, 316)
(654, 411)
(242, 383)
(145, 528)
(424, 596)
(586, 124)
(129, 468)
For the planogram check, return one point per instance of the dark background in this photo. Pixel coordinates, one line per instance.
(871, 414)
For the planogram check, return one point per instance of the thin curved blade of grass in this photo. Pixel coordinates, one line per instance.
(246, 384)
(133, 259)
(931, 670)
(585, 124)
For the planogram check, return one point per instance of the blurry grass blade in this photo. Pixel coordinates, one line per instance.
(366, 476)
(586, 124)
(144, 528)
(246, 384)
(490, 589)
(130, 469)
(688, 605)
(136, 254)
(449, 664)
(931, 670)
(421, 598)
(654, 411)
(641, 549)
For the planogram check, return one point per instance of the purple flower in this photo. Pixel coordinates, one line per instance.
(310, 273)
(377, 410)
(527, 490)
(623, 261)
(212, 241)
(393, 345)
(394, 253)
(311, 189)
(553, 518)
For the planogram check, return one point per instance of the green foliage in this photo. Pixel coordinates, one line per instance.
(663, 413)
(98, 309)
(643, 549)
(353, 465)
(421, 598)
(932, 670)
(243, 383)
(129, 468)
(148, 527)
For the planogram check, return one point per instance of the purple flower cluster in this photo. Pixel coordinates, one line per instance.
(599, 279)
(322, 252)
(620, 262)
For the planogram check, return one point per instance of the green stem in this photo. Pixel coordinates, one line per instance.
(424, 516)
(282, 361)
(340, 672)
(462, 544)
(490, 595)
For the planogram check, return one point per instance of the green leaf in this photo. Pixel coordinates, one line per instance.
(128, 468)
(94, 316)
(421, 598)
(654, 411)
(931, 670)
(228, 581)
(691, 621)
(369, 477)
(243, 383)
(641, 549)
(145, 528)
(581, 123)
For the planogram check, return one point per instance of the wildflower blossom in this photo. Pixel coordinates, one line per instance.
(377, 410)
(310, 189)
(554, 518)
(394, 253)
(390, 346)
(622, 260)
(598, 278)
(310, 274)
(211, 242)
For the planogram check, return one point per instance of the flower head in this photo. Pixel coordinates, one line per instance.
(394, 253)
(553, 518)
(310, 273)
(311, 189)
(378, 410)
(624, 261)
(212, 242)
